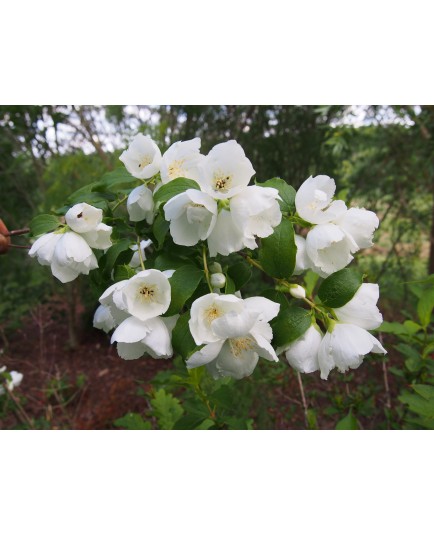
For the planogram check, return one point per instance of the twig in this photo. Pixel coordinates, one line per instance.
(20, 410)
(303, 398)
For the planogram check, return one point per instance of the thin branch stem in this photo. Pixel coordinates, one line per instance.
(142, 264)
(17, 232)
(205, 269)
(303, 398)
(20, 410)
(119, 203)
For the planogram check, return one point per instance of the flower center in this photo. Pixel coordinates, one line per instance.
(145, 161)
(176, 170)
(241, 344)
(212, 313)
(147, 293)
(222, 182)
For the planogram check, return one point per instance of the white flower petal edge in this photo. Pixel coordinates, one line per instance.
(135, 260)
(140, 204)
(360, 224)
(72, 256)
(136, 338)
(314, 203)
(302, 261)
(43, 248)
(329, 249)
(226, 237)
(192, 215)
(83, 218)
(142, 158)
(182, 159)
(256, 211)
(225, 171)
(99, 238)
(362, 309)
(302, 354)
(103, 319)
(345, 347)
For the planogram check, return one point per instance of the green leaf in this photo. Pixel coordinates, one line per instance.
(340, 287)
(116, 179)
(114, 252)
(133, 421)
(290, 324)
(230, 286)
(348, 423)
(96, 199)
(310, 281)
(193, 422)
(425, 391)
(123, 272)
(182, 340)
(44, 223)
(183, 284)
(276, 296)
(277, 252)
(418, 404)
(172, 188)
(160, 229)
(425, 307)
(286, 192)
(240, 273)
(167, 409)
(166, 261)
(408, 328)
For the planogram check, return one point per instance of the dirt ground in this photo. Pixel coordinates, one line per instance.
(89, 387)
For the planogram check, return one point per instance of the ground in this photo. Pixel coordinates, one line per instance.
(89, 387)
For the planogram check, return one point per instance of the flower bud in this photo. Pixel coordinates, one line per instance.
(298, 292)
(216, 268)
(218, 280)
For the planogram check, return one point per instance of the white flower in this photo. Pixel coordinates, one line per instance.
(302, 354)
(140, 204)
(302, 261)
(43, 248)
(225, 171)
(99, 238)
(314, 203)
(72, 256)
(146, 295)
(256, 211)
(206, 309)
(192, 215)
(14, 381)
(114, 300)
(226, 237)
(142, 158)
(137, 337)
(345, 347)
(83, 218)
(103, 319)
(362, 309)
(239, 330)
(135, 260)
(218, 280)
(181, 159)
(329, 248)
(360, 224)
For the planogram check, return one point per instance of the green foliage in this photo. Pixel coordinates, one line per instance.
(44, 223)
(340, 287)
(167, 409)
(172, 188)
(183, 283)
(133, 421)
(286, 193)
(348, 423)
(277, 252)
(182, 340)
(239, 273)
(290, 324)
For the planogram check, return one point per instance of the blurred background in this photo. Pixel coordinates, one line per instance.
(382, 158)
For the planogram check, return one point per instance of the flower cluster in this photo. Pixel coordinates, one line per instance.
(9, 380)
(226, 211)
(338, 232)
(134, 307)
(68, 250)
(208, 206)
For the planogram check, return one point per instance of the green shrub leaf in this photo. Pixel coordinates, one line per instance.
(340, 287)
(277, 252)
